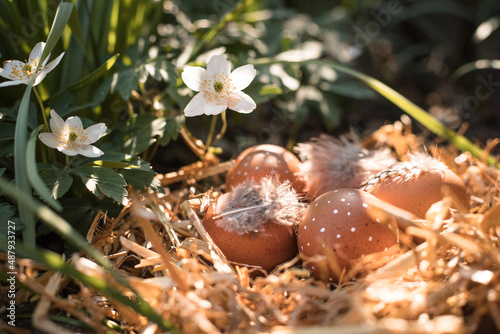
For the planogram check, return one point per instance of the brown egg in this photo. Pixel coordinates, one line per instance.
(255, 223)
(417, 184)
(259, 161)
(337, 231)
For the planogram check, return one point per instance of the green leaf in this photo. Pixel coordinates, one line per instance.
(103, 180)
(111, 164)
(124, 82)
(107, 156)
(33, 176)
(140, 133)
(13, 112)
(102, 91)
(172, 129)
(142, 179)
(58, 180)
(7, 213)
(159, 69)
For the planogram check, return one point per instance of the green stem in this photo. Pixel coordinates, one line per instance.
(51, 155)
(41, 108)
(211, 132)
(223, 129)
(68, 163)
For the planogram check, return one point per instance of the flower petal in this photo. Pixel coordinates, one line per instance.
(243, 76)
(74, 122)
(12, 83)
(89, 151)
(45, 69)
(50, 140)
(56, 123)
(45, 61)
(196, 106)
(8, 68)
(218, 65)
(193, 77)
(64, 150)
(95, 132)
(241, 102)
(36, 52)
(214, 109)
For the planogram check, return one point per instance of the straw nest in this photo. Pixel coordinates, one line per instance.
(450, 283)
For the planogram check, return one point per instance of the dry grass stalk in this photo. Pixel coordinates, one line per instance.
(40, 319)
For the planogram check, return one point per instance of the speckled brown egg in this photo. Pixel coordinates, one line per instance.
(417, 184)
(254, 224)
(337, 227)
(260, 161)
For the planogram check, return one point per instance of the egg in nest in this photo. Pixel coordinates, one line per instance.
(254, 224)
(264, 160)
(416, 184)
(338, 231)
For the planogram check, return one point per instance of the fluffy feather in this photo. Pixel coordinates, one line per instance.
(251, 204)
(330, 163)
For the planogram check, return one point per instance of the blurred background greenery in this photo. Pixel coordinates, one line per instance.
(123, 59)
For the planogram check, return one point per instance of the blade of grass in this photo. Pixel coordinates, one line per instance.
(402, 102)
(473, 66)
(98, 73)
(63, 14)
(65, 230)
(20, 166)
(56, 262)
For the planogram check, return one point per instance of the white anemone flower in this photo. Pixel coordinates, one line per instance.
(21, 73)
(218, 88)
(70, 138)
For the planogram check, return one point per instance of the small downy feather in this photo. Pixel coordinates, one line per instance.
(418, 164)
(253, 203)
(330, 163)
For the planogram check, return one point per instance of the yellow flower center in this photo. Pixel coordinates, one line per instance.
(72, 136)
(218, 86)
(27, 69)
(30, 67)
